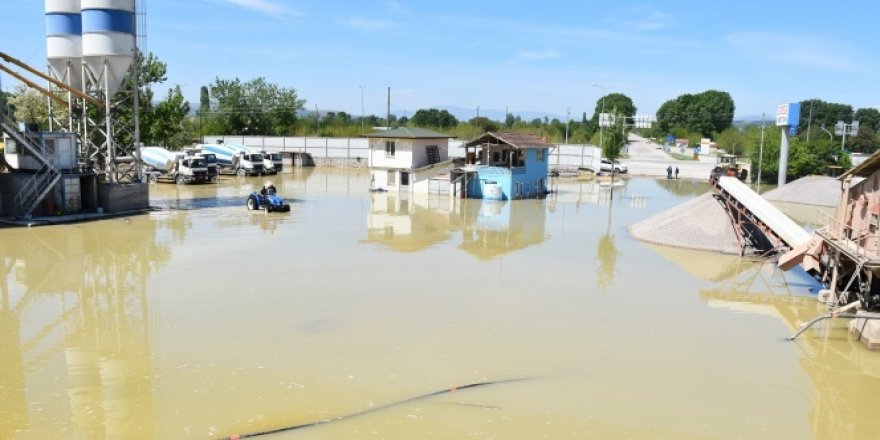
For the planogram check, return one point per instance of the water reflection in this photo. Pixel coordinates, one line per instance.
(484, 229)
(684, 188)
(843, 376)
(74, 309)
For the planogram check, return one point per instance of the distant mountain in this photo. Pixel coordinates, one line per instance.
(465, 114)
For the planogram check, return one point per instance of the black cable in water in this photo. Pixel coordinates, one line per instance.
(371, 410)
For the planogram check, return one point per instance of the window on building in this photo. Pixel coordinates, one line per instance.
(404, 178)
(541, 154)
(517, 189)
(389, 148)
(392, 177)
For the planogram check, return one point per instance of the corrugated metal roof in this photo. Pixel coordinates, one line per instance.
(407, 133)
(516, 140)
(870, 166)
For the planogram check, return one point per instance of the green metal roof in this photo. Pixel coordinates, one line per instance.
(407, 133)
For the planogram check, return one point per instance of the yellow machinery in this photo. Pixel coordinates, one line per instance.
(728, 165)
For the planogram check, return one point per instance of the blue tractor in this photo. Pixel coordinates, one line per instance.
(267, 199)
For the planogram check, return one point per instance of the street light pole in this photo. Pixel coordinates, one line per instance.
(601, 112)
(362, 108)
(761, 152)
(567, 123)
(810, 120)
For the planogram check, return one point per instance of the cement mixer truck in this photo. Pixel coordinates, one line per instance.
(268, 162)
(234, 160)
(210, 159)
(161, 165)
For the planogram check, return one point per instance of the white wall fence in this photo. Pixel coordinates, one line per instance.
(564, 156)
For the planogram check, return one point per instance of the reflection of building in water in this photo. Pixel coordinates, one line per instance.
(591, 192)
(76, 300)
(487, 229)
(845, 377)
(409, 224)
(498, 228)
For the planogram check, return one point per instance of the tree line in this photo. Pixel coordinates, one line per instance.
(260, 108)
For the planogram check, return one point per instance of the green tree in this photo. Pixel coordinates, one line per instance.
(483, 124)
(434, 118)
(614, 139)
(29, 106)
(168, 128)
(868, 117)
(151, 71)
(707, 112)
(817, 113)
(254, 108)
(804, 158)
(204, 99)
(732, 140)
(614, 103)
(865, 142)
(509, 121)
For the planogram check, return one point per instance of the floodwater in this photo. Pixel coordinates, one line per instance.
(202, 320)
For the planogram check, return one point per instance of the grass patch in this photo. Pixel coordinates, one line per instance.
(678, 156)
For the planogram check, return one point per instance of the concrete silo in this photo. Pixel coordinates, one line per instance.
(64, 41)
(108, 41)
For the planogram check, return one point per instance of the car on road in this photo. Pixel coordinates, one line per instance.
(607, 166)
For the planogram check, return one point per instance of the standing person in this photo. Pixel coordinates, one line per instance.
(669, 172)
(676, 172)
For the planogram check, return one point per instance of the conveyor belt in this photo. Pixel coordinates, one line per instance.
(786, 229)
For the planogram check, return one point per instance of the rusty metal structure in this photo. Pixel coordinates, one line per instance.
(760, 228)
(845, 254)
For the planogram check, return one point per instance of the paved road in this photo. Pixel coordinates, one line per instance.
(647, 159)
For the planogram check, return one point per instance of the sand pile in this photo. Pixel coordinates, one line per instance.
(700, 224)
(810, 190)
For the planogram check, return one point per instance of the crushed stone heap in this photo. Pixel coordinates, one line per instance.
(809, 190)
(700, 224)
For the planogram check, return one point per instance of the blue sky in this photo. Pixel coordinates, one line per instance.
(526, 55)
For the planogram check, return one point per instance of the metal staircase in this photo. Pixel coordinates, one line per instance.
(34, 189)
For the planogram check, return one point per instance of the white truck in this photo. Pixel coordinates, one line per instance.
(161, 165)
(234, 161)
(268, 162)
(210, 160)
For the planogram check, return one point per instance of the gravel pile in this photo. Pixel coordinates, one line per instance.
(810, 190)
(700, 224)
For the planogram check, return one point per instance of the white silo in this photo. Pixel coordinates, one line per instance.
(108, 40)
(64, 40)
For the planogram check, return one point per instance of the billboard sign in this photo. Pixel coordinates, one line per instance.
(788, 115)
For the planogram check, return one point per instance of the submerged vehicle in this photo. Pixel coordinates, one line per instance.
(269, 201)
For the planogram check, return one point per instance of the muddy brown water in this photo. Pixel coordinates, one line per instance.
(202, 320)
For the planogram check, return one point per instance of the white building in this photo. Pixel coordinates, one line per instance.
(409, 160)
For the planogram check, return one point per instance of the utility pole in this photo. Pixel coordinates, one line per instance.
(388, 115)
(601, 112)
(810, 120)
(362, 108)
(761, 150)
(567, 122)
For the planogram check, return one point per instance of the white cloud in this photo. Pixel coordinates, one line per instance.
(794, 50)
(534, 55)
(265, 7)
(367, 24)
(396, 8)
(653, 21)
